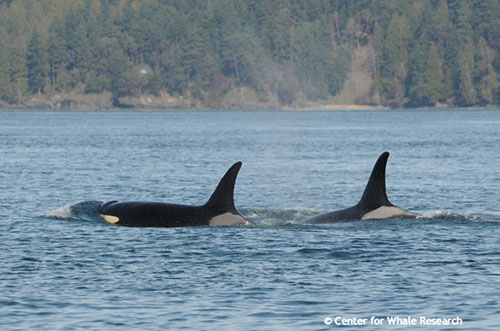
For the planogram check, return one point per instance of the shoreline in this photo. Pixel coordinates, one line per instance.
(331, 108)
(165, 102)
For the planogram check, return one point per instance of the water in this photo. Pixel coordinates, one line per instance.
(64, 268)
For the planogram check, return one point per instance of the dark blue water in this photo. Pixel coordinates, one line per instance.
(62, 267)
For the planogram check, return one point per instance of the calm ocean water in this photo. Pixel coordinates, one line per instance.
(61, 267)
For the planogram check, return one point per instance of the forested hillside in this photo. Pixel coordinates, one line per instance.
(419, 53)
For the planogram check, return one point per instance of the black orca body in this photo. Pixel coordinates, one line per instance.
(374, 203)
(219, 210)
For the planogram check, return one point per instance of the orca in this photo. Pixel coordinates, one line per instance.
(219, 210)
(374, 203)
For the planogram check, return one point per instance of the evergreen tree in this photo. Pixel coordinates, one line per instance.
(35, 62)
(445, 39)
(193, 53)
(281, 35)
(239, 57)
(18, 69)
(4, 63)
(94, 84)
(394, 62)
(442, 25)
(434, 77)
(57, 50)
(313, 52)
(154, 83)
(81, 48)
(466, 91)
(3, 14)
(17, 20)
(417, 53)
(338, 69)
(122, 78)
(174, 77)
(465, 94)
(262, 12)
(485, 75)
(429, 89)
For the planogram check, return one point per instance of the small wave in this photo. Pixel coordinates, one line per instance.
(275, 222)
(448, 215)
(274, 216)
(313, 251)
(440, 214)
(85, 211)
(61, 213)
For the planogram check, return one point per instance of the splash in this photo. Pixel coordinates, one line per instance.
(82, 211)
(432, 214)
(276, 217)
(448, 215)
(61, 213)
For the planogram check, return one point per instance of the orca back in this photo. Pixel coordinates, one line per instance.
(219, 210)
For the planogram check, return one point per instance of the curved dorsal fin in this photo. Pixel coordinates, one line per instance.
(222, 200)
(375, 194)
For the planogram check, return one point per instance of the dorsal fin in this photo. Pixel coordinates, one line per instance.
(222, 200)
(375, 194)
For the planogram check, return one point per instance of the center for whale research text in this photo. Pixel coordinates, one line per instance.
(392, 320)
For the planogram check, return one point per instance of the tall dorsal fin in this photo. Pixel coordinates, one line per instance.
(222, 200)
(375, 194)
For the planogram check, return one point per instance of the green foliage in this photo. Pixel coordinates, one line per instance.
(18, 70)
(286, 92)
(394, 60)
(485, 76)
(35, 62)
(4, 63)
(416, 53)
(338, 69)
(57, 51)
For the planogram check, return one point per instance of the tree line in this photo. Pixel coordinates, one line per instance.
(417, 53)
